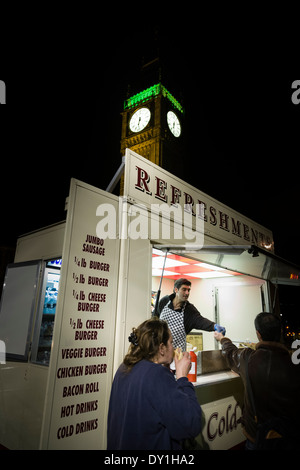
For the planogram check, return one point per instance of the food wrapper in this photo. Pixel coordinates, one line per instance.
(178, 353)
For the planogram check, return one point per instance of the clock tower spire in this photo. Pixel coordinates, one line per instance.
(153, 126)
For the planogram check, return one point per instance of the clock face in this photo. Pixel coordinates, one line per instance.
(174, 124)
(139, 119)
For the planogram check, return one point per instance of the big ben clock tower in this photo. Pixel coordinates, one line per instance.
(153, 126)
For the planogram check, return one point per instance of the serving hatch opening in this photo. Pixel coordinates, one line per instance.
(222, 295)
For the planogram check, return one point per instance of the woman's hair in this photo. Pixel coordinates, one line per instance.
(145, 341)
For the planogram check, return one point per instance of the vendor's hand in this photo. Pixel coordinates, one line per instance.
(183, 365)
(220, 329)
(218, 336)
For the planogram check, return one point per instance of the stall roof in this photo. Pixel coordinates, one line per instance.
(245, 259)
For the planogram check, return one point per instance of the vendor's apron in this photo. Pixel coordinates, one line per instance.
(174, 318)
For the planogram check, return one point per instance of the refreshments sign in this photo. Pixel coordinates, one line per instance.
(149, 185)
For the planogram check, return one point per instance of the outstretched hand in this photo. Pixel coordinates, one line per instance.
(218, 336)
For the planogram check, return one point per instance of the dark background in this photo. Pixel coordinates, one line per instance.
(67, 77)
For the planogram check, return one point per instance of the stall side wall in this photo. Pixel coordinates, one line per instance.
(209, 304)
(134, 296)
(22, 396)
(23, 384)
(43, 244)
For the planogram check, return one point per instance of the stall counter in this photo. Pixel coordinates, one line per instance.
(215, 377)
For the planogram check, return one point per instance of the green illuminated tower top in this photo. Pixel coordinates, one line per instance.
(153, 126)
(149, 93)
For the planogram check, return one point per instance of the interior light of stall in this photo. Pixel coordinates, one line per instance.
(175, 261)
(157, 272)
(208, 275)
(158, 262)
(209, 266)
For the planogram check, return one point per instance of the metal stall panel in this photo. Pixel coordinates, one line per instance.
(237, 307)
(18, 305)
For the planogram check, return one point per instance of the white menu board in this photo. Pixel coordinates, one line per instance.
(83, 341)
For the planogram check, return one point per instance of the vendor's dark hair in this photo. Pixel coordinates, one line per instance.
(145, 341)
(269, 326)
(181, 281)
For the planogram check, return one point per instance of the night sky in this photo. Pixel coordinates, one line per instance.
(63, 120)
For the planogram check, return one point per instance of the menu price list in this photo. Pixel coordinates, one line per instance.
(84, 363)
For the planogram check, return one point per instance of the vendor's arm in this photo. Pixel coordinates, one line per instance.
(194, 320)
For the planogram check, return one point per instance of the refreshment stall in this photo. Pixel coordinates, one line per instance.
(77, 288)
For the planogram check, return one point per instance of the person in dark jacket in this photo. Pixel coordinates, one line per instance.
(181, 315)
(275, 380)
(148, 408)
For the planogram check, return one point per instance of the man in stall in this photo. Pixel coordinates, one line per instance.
(182, 316)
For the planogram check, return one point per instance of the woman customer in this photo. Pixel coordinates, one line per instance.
(148, 408)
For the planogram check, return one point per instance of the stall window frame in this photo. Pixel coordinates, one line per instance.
(39, 313)
(9, 303)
